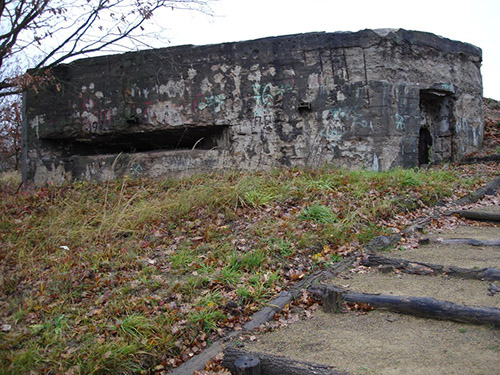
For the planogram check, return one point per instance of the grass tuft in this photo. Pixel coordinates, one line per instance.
(319, 214)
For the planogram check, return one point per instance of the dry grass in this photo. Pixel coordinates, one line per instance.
(133, 275)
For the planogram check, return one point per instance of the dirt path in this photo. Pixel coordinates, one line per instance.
(384, 342)
(387, 343)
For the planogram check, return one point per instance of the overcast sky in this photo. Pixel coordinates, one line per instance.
(476, 22)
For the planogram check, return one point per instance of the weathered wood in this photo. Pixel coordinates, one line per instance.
(429, 308)
(322, 275)
(382, 242)
(419, 224)
(490, 274)
(247, 365)
(493, 289)
(198, 362)
(481, 159)
(277, 365)
(419, 306)
(459, 241)
(268, 312)
(330, 295)
(479, 215)
(284, 298)
(421, 268)
(491, 188)
(418, 268)
(332, 300)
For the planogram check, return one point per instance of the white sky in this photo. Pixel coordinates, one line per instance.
(476, 22)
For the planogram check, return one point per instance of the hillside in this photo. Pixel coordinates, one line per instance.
(138, 276)
(491, 144)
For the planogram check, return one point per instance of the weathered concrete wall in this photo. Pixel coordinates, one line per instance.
(374, 99)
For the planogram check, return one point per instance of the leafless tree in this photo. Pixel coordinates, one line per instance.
(10, 134)
(35, 35)
(38, 34)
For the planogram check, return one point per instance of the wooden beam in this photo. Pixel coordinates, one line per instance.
(278, 365)
(459, 241)
(421, 268)
(419, 306)
(489, 189)
(267, 313)
(478, 215)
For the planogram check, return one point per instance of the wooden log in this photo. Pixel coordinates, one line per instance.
(479, 215)
(492, 288)
(489, 189)
(371, 260)
(414, 268)
(490, 274)
(247, 365)
(419, 306)
(268, 312)
(381, 242)
(320, 276)
(459, 241)
(278, 365)
(284, 298)
(421, 268)
(481, 159)
(198, 362)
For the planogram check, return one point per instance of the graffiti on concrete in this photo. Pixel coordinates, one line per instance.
(351, 99)
(400, 122)
(213, 101)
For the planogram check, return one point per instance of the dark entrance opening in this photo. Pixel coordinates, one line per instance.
(173, 139)
(424, 146)
(435, 142)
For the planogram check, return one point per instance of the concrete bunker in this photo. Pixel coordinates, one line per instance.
(369, 99)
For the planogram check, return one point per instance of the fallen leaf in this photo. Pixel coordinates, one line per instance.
(6, 327)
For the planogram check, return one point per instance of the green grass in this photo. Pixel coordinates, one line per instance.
(206, 318)
(229, 275)
(120, 277)
(318, 213)
(136, 326)
(282, 247)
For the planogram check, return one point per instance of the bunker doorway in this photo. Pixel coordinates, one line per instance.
(435, 139)
(424, 146)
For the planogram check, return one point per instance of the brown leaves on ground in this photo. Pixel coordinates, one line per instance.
(139, 274)
(491, 143)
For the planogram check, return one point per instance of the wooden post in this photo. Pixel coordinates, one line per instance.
(332, 300)
(247, 365)
(276, 365)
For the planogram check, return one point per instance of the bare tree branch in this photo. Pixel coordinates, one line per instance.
(20, 23)
(97, 25)
(11, 92)
(74, 37)
(36, 35)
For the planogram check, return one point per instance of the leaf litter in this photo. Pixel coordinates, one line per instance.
(139, 276)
